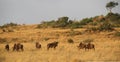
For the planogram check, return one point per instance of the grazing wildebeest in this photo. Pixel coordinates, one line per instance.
(90, 46)
(18, 47)
(7, 47)
(81, 45)
(86, 46)
(52, 45)
(38, 45)
(15, 47)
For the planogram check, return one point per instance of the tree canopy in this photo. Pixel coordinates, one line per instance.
(111, 5)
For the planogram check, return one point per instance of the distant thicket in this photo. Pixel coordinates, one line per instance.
(8, 25)
(102, 23)
(64, 22)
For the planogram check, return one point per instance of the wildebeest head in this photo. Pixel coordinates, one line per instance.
(38, 45)
(7, 47)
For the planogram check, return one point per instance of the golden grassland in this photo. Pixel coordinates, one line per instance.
(107, 48)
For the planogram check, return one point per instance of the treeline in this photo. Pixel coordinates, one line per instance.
(9, 25)
(111, 19)
(64, 22)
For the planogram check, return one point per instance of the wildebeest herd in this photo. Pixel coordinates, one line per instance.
(20, 47)
(16, 47)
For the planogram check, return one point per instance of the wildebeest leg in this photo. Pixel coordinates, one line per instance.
(94, 47)
(17, 48)
(78, 47)
(48, 48)
(7, 49)
(85, 49)
(54, 47)
(13, 49)
(22, 48)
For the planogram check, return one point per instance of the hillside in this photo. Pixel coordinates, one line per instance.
(102, 31)
(107, 46)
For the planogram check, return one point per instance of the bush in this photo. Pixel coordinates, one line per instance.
(39, 26)
(75, 25)
(73, 33)
(46, 39)
(114, 18)
(70, 41)
(14, 39)
(85, 21)
(117, 34)
(10, 30)
(92, 29)
(62, 22)
(9, 25)
(105, 27)
(3, 40)
(93, 23)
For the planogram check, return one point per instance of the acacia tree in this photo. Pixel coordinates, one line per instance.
(111, 5)
(62, 21)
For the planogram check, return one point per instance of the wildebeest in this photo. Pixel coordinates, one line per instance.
(38, 45)
(18, 47)
(15, 47)
(81, 45)
(7, 47)
(52, 45)
(86, 46)
(90, 46)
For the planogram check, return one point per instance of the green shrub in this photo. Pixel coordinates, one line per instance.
(105, 27)
(93, 23)
(46, 39)
(62, 22)
(9, 25)
(114, 18)
(75, 25)
(94, 29)
(10, 30)
(3, 40)
(39, 26)
(85, 21)
(73, 33)
(117, 34)
(70, 41)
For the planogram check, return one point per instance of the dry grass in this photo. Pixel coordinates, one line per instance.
(106, 49)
